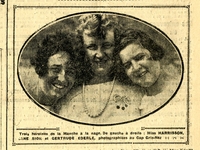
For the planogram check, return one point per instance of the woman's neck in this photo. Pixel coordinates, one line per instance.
(157, 87)
(100, 79)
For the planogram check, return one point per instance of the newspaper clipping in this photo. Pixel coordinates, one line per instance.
(97, 75)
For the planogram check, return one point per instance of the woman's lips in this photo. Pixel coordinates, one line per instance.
(100, 63)
(59, 86)
(141, 74)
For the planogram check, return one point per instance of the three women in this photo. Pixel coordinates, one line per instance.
(101, 95)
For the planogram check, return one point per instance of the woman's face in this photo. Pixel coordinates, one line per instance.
(60, 77)
(139, 66)
(100, 51)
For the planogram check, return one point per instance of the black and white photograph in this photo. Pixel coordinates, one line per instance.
(90, 74)
(100, 68)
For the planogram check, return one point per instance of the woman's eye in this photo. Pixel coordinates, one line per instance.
(92, 47)
(139, 57)
(107, 45)
(70, 72)
(127, 65)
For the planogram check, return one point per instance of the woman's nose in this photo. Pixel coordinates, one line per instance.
(135, 65)
(61, 76)
(99, 53)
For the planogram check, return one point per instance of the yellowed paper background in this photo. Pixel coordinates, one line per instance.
(17, 106)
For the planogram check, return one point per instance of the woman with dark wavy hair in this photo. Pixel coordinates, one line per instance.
(143, 63)
(55, 63)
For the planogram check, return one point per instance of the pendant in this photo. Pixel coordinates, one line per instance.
(121, 101)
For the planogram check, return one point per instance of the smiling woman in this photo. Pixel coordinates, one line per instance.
(139, 65)
(140, 57)
(53, 63)
(101, 99)
(144, 64)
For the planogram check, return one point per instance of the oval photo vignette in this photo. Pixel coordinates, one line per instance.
(140, 68)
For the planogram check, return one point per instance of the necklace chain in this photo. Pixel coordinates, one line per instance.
(102, 110)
